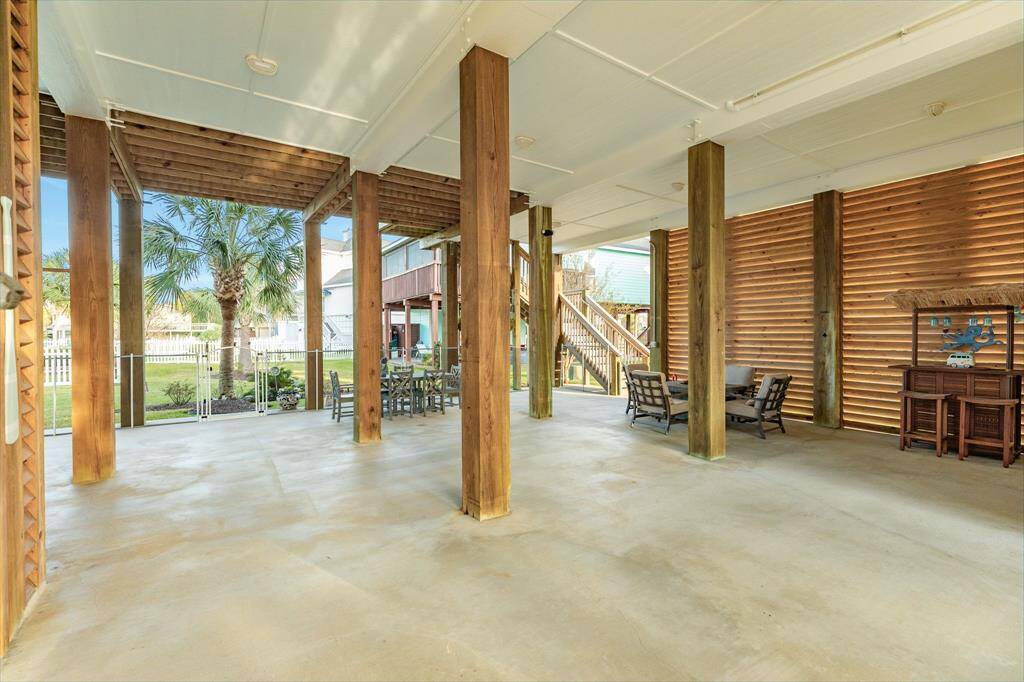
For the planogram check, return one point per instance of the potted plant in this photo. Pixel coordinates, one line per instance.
(288, 398)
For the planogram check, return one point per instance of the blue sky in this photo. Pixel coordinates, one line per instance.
(54, 209)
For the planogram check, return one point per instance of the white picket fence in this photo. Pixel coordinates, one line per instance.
(57, 356)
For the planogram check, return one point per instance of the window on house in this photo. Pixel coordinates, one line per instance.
(418, 256)
(394, 263)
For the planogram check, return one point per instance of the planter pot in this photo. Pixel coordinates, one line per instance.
(288, 402)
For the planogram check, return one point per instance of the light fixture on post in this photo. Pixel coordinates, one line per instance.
(678, 186)
(264, 66)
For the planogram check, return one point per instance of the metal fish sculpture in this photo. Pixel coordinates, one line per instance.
(974, 337)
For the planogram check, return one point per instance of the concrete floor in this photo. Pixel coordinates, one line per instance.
(273, 548)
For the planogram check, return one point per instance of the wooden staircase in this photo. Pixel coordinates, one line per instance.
(598, 341)
(589, 333)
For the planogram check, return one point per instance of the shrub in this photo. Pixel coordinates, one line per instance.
(180, 392)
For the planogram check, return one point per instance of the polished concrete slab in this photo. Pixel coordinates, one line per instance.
(275, 549)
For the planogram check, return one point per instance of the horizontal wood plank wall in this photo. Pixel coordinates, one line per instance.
(678, 300)
(959, 227)
(769, 298)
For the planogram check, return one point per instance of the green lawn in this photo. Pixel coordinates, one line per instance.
(160, 375)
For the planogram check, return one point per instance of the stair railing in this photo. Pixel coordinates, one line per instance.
(598, 354)
(631, 349)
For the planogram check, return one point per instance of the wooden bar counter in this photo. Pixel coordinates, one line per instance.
(987, 382)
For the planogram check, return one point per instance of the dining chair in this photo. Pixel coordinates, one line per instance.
(433, 389)
(401, 394)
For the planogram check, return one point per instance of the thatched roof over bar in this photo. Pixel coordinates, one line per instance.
(986, 295)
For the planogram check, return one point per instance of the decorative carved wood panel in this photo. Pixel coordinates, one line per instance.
(23, 560)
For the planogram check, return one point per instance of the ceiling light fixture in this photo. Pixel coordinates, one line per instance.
(264, 66)
(935, 108)
(678, 186)
(524, 141)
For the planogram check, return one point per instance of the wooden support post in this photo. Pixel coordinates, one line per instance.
(707, 300)
(435, 332)
(517, 314)
(385, 320)
(366, 306)
(484, 222)
(407, 331)
(132, 315)
(658, 317)
(92, 336)
(450, 303)
(313, 286)
(542, 314)
(828, 330)
(556, 322)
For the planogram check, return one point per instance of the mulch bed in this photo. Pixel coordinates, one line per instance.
(221, 406)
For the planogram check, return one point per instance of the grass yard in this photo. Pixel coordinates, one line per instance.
(160, 375)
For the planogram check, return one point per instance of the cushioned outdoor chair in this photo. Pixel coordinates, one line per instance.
(739, 375)
(765, 406)
(653, 399)
(627, 370)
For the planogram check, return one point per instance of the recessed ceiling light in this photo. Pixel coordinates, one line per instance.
(524, 141)
(678, 186)
(264, 66)
(935, 108)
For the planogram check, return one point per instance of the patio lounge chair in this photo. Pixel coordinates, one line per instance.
(630, 391)
(653, 399)
(765, 406)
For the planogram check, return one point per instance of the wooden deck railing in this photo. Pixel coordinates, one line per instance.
(421, 281)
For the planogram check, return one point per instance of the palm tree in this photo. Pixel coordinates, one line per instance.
(236, 244)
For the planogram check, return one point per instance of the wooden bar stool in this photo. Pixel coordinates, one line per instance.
(908, 433)
(967, 437)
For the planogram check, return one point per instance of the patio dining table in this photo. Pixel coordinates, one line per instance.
(418, 378)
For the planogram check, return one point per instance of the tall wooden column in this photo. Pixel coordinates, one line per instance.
(407, 331)
(658, 317)
(314, 292)
(556, 322)
(828, 282)
(450, 304)
(541, 314)
(484, 223)
(132, 316)
(366, 307)
(517, 313)
(92, 337)
(707, 300)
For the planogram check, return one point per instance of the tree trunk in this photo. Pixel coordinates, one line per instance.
(244, 351)
(227, 348)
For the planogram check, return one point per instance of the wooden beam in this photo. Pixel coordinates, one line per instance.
(438, 238)
(517, 312)
(828, 283)
(407, 332)
(338, 183)
(542, 314)
(450, 303)
(483, 116)
(706, 426)
(659, 301)
(132, 313)
(92, 343)
(314, 293)
(366, 307)
(123, 158)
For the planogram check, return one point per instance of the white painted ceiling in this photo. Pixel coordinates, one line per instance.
(607, 89)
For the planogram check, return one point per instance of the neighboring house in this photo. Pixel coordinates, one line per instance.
(618, 276)
(411, 289)
(336, 278)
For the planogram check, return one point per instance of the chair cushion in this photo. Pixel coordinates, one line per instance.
(679, 406)
(739, 375)
(743, 410)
